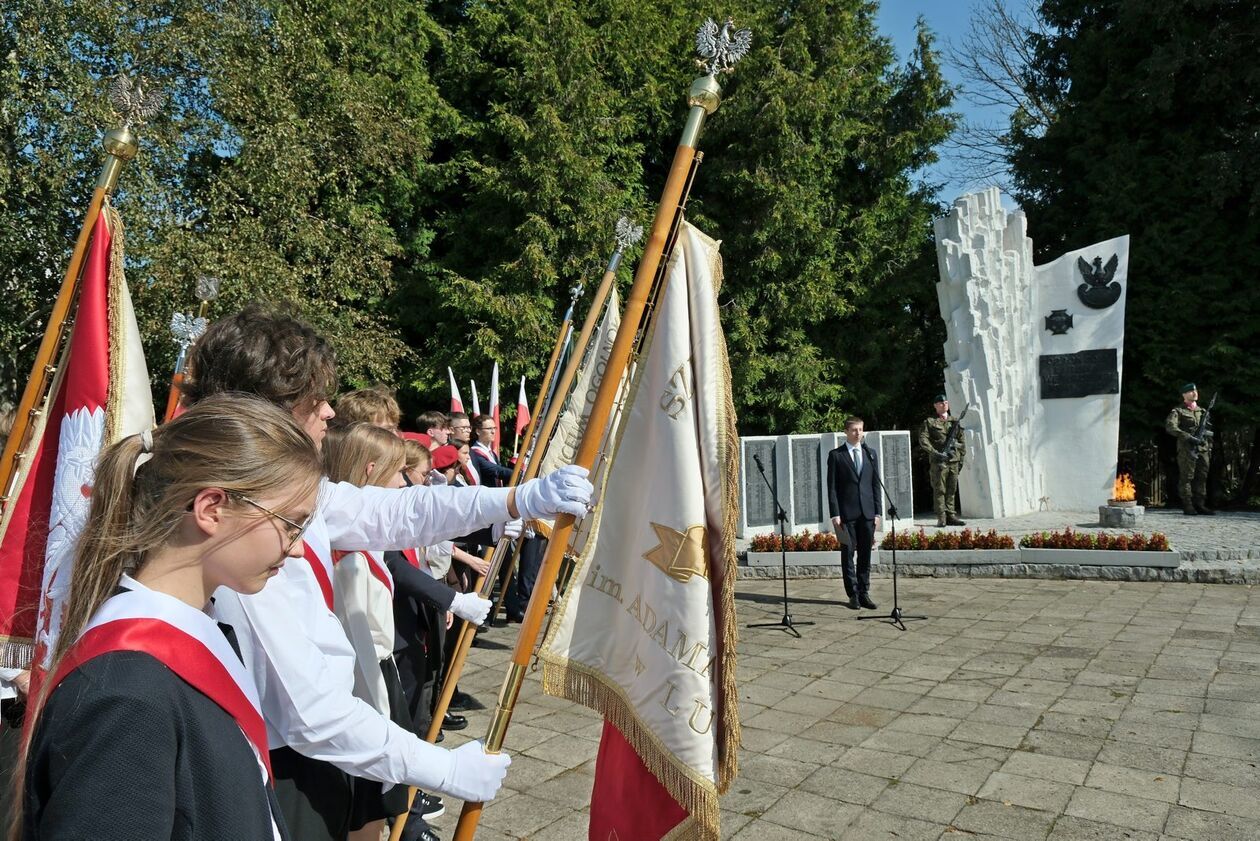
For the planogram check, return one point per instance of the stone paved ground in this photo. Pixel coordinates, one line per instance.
(1025, 710)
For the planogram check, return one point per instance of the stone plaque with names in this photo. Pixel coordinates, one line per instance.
(759, 504)
(896, 457)
(1079, 374)
(807, 481)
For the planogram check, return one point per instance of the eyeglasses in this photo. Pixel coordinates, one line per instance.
(294, 531)
(461, 427)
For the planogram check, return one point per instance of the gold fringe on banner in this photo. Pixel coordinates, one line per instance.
(117, 330)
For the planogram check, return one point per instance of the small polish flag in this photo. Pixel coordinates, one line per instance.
(457, 402)
(522, 411)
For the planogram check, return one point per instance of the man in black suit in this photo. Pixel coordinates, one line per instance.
(856, 507)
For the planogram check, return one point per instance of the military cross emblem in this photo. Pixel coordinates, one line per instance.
(1058, 322)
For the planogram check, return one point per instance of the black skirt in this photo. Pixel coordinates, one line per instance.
(370, 803)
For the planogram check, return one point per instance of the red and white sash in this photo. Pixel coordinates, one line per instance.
(186, 641)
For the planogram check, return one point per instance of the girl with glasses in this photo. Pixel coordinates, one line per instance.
(147, 725)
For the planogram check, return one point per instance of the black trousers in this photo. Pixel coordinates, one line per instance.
(861, 537)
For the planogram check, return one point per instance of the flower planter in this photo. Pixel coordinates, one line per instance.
(950, 557)
(1099, 557)
(794, 559)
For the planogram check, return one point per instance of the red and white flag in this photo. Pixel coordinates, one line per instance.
(99, 395)
(457, 402)
(522, 411)
(646, 635)
(494, 406)
(476, 402)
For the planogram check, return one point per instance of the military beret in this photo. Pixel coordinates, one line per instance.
(940, 398)
(1189, 387)
(445, 456)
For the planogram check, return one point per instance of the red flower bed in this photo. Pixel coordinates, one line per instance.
(965, 539)
(1068, 539)
(806, 541)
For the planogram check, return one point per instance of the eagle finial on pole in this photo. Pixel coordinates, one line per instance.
(721, 47)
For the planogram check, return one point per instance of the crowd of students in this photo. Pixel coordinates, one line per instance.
(261, 602)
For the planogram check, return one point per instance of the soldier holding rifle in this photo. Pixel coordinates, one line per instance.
(1190, 424)
(941, 439)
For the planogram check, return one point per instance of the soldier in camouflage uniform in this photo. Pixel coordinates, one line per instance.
(1183, 424)
(944, 470)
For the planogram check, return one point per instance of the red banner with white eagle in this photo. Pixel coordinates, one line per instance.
(100, 393)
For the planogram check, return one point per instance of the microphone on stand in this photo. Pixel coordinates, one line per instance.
(760, 466)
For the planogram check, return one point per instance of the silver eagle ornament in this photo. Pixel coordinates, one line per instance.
(720, 47)
(186, 329)
(627, 233)
(136, 102)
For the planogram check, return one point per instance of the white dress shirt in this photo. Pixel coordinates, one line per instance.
(365, 607)
(298, 654)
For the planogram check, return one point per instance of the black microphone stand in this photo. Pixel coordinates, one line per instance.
(897, 619)
(786, 623)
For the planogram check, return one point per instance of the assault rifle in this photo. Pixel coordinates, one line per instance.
(951, 438)
(1203, 433)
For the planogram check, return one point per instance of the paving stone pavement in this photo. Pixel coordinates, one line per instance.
(1030, 710)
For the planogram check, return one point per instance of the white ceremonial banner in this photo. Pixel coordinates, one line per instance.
(646, 633)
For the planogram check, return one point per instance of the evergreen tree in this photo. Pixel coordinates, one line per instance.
(829, 302)
(1156, 135)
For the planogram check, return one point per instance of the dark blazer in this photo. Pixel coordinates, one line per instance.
(852, 497)
(493, 474)
(126, 751)
(414, 591)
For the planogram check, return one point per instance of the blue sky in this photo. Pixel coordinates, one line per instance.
(950, 20)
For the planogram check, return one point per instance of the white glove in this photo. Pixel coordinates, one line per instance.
(475, 775)
(512, 529)
(564, 491)
(471, 607)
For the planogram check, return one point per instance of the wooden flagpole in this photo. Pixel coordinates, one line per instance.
(704, 98)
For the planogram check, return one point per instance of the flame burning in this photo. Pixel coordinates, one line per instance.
(1123, 490)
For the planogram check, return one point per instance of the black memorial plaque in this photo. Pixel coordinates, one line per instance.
(807, 481)
(758, 504)
(1079, 374)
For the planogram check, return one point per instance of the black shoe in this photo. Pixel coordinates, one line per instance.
(454, 722)
(940, 522)
(852, 603)
(516, 618)
(427, 807)
(950, 519)
(462, 702)
(417, 829)
(1189, 511)
(1203, 509)
(441, 736)
(865, 601)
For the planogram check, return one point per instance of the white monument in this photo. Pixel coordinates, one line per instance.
(1037, 352)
